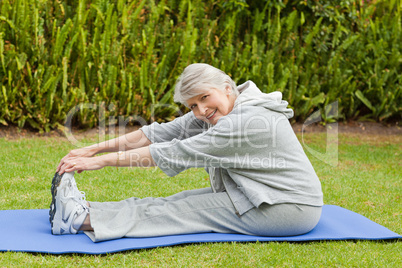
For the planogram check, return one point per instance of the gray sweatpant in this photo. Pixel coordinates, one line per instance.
(196, 211)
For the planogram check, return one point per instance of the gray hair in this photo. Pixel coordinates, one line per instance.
(198, 78)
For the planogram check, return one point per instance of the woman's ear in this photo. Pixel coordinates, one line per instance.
(228, 90)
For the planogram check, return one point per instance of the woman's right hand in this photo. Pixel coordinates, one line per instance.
(82, 152)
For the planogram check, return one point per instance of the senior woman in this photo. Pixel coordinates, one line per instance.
(262, 183)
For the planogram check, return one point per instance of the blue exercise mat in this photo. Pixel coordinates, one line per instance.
(29, 231)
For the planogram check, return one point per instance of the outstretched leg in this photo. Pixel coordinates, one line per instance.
(187, 213)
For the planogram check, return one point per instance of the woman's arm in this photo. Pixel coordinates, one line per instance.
(140, 157)
(132, 140)
(181, 128)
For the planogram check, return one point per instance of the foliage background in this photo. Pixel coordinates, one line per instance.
(124, 56)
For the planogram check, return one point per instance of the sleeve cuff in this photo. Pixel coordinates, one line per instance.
(160, 163)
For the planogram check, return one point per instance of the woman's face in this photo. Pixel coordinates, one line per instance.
(212, 105)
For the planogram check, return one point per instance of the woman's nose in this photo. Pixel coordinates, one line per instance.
(205, 111)
(202, 109)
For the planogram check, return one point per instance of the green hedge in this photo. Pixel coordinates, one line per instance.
(127, 54)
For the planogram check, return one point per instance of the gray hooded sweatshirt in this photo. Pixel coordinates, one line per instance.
(252, 153)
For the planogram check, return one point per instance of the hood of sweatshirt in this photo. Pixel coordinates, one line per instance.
(251, 95)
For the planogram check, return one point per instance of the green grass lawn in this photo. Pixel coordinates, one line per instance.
(367, 180)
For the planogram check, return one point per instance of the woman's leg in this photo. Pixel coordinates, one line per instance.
(283, 219)
(86, 225)
(191, 214)
(135, 201)
(207, 212)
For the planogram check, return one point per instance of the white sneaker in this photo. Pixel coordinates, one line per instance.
(68, 204)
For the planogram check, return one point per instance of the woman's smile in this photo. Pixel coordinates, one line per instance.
(211, 115)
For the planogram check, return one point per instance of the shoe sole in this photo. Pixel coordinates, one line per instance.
(55, 183)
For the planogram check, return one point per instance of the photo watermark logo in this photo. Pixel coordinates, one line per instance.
(330, 156)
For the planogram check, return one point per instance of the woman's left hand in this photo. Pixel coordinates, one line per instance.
(80, 164)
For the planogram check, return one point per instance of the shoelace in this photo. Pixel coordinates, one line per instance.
(77, 195)
(81, 208)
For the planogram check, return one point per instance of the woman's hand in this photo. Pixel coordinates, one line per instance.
(83, 152)
(80, 164)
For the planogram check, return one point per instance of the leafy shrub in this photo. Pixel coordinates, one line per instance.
(126, 55)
